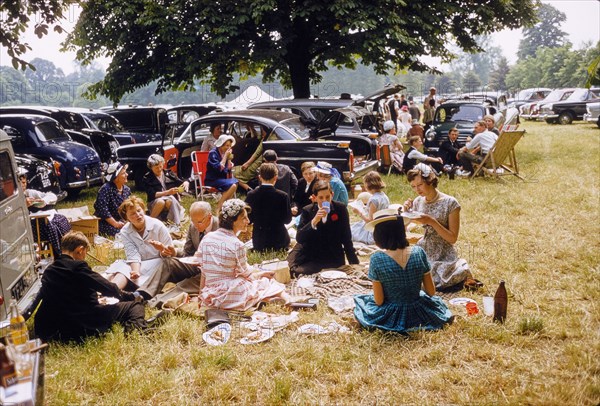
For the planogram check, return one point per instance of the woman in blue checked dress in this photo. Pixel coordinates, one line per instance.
(398, 273)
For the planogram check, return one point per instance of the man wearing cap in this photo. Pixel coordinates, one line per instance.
(326, 172)
(426, 104)
(218, 169)
(324, 236)
(286, 180)
(109, 198)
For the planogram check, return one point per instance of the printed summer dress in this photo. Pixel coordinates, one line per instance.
(359, 234)
(406, 307)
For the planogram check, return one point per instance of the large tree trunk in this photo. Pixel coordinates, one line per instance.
(300, 77)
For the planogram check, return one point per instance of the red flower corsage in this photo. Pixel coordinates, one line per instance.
(334, 217)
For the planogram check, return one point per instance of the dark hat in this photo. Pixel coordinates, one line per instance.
(270, 155)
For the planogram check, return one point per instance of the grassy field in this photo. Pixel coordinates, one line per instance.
(542, 236)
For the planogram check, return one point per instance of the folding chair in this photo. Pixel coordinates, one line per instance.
(386, 158)
(501, 159)
(199, 161)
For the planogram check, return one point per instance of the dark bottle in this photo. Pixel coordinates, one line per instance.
(8, 373)
(500, 303)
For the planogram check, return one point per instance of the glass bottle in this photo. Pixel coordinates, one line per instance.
(500, 303)
(8, 372)
(18, 334)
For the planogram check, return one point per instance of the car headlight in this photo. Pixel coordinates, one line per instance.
(430, 136)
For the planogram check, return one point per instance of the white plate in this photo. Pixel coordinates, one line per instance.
(190, 260)
(460, 301)
(108, 300)
(38, 204)
(217, 335)
(258, 336)
(411, 214)
(312, 329)
(334, 275)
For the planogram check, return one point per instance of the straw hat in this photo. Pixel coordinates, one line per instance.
(381, 216)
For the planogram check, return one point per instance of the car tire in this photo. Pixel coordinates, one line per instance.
(139, 179)
(598, 122)
(550, 121)
(73, 193)
(565, 118)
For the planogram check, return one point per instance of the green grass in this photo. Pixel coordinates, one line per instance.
(541, 236)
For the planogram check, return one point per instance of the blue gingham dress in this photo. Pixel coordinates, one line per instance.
(406, 307)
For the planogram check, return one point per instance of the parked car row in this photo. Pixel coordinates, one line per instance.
(562, 106)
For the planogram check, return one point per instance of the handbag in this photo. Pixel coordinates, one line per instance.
(214, 317)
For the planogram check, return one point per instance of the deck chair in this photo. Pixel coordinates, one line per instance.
(199, 161)
(501, 159)
(386, 158)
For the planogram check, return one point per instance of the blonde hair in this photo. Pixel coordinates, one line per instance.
(129, 203)
(373, 181)
(74, 239)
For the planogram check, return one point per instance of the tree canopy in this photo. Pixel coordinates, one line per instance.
(546, 33)
(15, 16)
(178, 42)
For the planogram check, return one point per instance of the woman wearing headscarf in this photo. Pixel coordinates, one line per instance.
(109, 198)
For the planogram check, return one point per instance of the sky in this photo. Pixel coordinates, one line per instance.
(582, 24)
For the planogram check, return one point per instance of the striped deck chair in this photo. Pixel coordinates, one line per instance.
(501, 159)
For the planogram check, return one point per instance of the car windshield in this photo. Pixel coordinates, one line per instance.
(524, 95)
(298, 128)
(459, 113)
(579, 95)
(69, 120)
(108, 123)
(555, 95)
(49, 131)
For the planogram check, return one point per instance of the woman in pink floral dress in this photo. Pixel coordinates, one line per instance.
(228, 282)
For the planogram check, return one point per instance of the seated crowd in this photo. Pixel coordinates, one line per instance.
(404, 277)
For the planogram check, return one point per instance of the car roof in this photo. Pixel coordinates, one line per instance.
(256, 114)
(285, 103)
(36, 118)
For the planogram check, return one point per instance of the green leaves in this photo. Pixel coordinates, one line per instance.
(180, 41)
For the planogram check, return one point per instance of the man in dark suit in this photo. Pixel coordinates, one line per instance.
(286, 180)
(449, 148)
(324, 237)
(271, 211)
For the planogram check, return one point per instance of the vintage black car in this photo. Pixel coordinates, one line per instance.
(573, 108)
(339, 116)
(352, 154)
(75, 125)
(101, 121)
(146, 123)
(531, 110)
(41, 175)
(78, 166)
(461, 114)
(181, 116)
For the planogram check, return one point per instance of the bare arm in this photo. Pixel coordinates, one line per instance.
(378, 293)
(428, 285)
(449, 234)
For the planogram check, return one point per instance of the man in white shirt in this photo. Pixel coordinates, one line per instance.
(476, 149)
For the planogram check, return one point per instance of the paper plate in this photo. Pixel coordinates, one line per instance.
(258, 336)
(334, 275)
(312, 329)
(217, 335)
(460, 301)
(411, 214)
(190, 260)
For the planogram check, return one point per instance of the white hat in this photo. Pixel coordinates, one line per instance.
(223, 139)
(364, 197)
(388, 125)
(114, 170)
(381, 216)
(324, 167)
